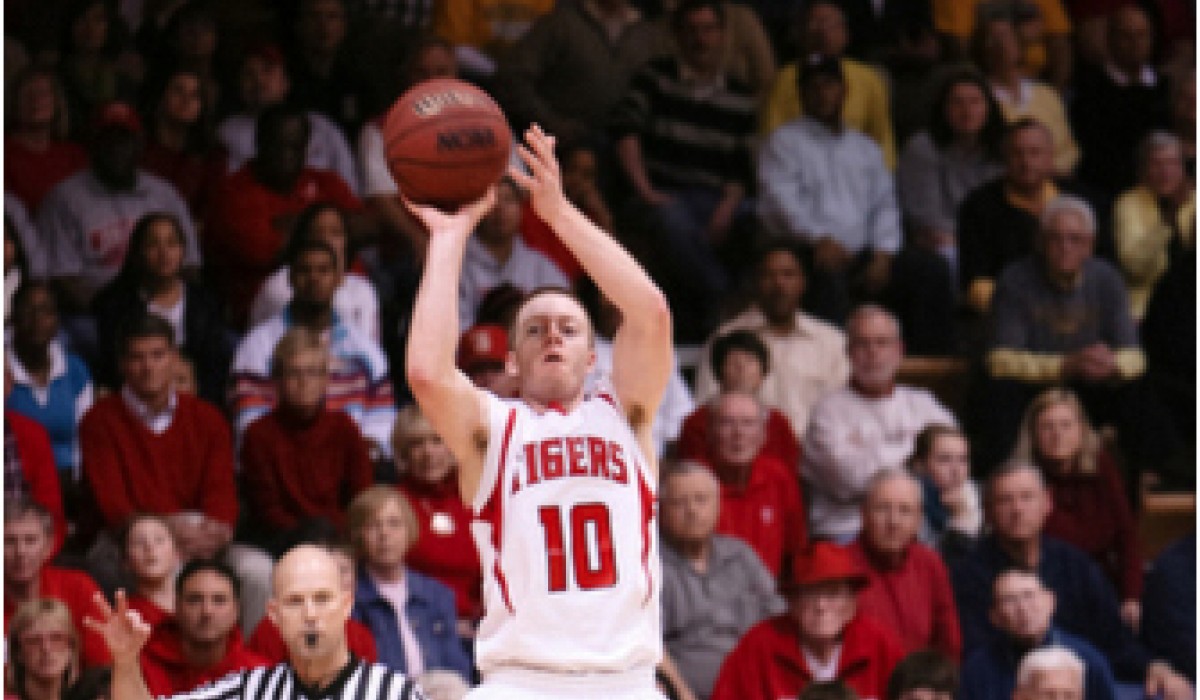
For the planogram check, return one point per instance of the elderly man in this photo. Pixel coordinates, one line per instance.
(865, 427)
(821, 637)
(1022, 610)
(1053, 672)
(714, 587)
(202, 642)
(760, 497)
(309, 604)
(807, 355)
(1060, 316)
(1017, 505)
(908, 589)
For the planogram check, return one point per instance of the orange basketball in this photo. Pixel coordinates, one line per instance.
(446, 142)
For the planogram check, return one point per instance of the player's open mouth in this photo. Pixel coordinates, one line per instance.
(552, 357)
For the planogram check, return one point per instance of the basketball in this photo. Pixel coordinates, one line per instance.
(446, 142)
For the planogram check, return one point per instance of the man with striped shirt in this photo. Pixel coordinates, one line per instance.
(310, 607)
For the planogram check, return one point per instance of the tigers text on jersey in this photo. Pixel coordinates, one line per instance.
(568, 539)
(360, 680)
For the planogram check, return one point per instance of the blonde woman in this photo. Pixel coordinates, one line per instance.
(1091, 509)
(43, 651)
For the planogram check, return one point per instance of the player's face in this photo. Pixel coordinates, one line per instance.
(150, 551)
(690, 506)
(207, 609)
(1021, 607)
(1059, 433)
(26, 549)
(892, 516)
(45, 649)
(310, 604)
(1019, 505)
(552, 348)
(823, 609)
(386, 537)
(738, 430)
(949, 461)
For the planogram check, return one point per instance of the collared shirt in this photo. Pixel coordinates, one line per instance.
(173, 315)
(86, 225)
(816, 183)
(705, 613)
(807, 362)
(58, 405)
(526, 269)
(396, 593)
(156, 422)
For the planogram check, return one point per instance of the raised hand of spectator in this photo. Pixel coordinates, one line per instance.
(124, 630)
(1164, 683)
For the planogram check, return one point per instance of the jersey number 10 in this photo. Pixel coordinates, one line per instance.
(591, 546)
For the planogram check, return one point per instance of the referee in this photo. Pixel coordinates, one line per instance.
(310, 607)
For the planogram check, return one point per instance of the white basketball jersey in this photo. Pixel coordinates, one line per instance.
(567, 533)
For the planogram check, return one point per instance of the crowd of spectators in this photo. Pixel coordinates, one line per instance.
(209, 272)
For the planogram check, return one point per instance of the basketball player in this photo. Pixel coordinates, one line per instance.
(562, 483)
(310, 607)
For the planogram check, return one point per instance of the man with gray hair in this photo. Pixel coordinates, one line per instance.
(1053, 672)
(714, 586)
(908, 589)
(864, 427)
(1061, 316)
(760, 496)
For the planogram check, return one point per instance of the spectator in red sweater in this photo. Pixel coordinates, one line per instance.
(740, 360)
(444, 549)
(28, 546)
(37, 155)
(255, 209)
(203, 643)
(821, 637)
(1091, 510)
(760, 497)
(152, 559)
(908, 588)
(29, 469)
(148, 448)
(301, 462)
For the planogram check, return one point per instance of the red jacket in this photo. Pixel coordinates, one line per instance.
(914, 600)
(781, 441)
(445, 549)
(294, 471)
(767, 663)
(37, 465)
(267, 642)
(189, 467)
(77, 591)
(168, 673)
(247, 228)
(766, 513)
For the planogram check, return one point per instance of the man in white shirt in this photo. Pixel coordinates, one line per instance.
(808, 356)
(869, 425)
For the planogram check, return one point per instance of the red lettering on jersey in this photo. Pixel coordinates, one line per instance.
(531, 464)
(598, 449)
(552, 459)
(619, 473)
(576, 457)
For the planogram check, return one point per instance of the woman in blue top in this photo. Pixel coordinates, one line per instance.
(47, 384)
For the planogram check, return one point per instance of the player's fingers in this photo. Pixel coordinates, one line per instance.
(536, 167)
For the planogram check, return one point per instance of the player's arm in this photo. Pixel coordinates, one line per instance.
(453, 406)
(642, 351)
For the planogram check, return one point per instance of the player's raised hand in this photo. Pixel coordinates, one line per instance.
(543, 182)
(461, 221)
(124, 630)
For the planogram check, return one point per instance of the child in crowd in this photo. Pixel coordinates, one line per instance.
(941, 459)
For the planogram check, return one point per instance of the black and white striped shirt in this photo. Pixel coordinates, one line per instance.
(358, 681)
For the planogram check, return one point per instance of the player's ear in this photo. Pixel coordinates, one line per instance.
(510, 363)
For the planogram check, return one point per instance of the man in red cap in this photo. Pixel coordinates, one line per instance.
(482, 353)
(820, 638)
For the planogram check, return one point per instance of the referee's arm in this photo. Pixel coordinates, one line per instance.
(125, 633)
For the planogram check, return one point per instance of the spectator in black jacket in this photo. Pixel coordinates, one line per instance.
(150, 280)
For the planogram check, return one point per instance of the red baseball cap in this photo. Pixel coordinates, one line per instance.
(823, 562)
(118, 115)
(484, 343)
